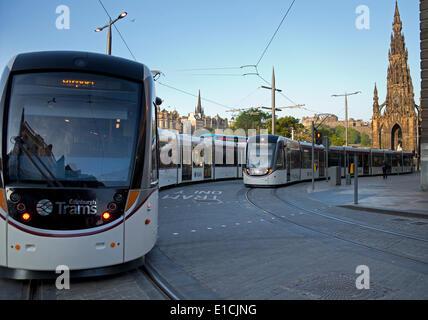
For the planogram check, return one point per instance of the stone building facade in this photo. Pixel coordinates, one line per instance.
(424, 94)
(333, 122)
(194, 120)
(395, 122)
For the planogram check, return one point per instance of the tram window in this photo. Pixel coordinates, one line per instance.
(396, 160)
(306, 159)
(279, 164)
(378, 159)
(168, 156)
(197, 154)
(295, 159)
(407, 161)
(389, 158)
(154, 149)
(83, 127)
(333, 158)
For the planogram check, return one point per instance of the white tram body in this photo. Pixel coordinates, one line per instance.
(185, 158)
(79, 184)
(286, 161)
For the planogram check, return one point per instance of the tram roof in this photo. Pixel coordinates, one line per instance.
(79, 61)
(270, 138)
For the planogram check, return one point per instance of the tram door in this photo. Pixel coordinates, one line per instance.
(186, 158)
(366, 163)
(287, 155)
(208, 157)
(321, 160)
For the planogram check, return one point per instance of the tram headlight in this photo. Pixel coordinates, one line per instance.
(26, 217)
(106, 215)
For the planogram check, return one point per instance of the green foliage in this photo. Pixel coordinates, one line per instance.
(284, 126)
(251, 119)
(365, 140)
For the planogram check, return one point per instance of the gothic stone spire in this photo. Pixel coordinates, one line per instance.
(199, 107)
(376, 110)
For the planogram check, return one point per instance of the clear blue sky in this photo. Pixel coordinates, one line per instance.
(317, 52)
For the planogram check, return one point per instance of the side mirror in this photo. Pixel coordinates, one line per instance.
(158, 101)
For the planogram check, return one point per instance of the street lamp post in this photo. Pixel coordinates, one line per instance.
(346, 111)
(110, 23)
(347, 125)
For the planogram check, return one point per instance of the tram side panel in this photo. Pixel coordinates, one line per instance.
(141, 226)
(44, 253)
(2, 237)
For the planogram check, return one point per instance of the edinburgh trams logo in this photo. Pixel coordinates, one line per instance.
(44, 207)
(78, 207)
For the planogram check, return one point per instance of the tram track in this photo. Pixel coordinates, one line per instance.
(32, 289)
(338, 237)
(359, 225)
(150, 272)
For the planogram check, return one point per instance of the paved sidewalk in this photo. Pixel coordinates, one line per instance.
(397, 194)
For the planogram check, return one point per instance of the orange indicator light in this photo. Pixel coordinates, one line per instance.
(26, 216)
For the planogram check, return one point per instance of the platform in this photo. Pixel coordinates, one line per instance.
(398, 194)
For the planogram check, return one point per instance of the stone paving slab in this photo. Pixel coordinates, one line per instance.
(239, 252)
(397, 194)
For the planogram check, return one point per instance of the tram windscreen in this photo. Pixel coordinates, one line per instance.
(72, 129)
(260, 154)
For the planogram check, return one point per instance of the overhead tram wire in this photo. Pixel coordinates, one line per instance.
(276, 31)
(118, 31)
(163, 84)
(193, 95)
(207, 69)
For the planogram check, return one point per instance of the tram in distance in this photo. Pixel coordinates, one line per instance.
(185, 158)
(273, 160)
(79, 176)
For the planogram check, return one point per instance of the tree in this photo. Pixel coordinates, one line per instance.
(354, 136)
(365, 140)
(251, 119)
(284, 126)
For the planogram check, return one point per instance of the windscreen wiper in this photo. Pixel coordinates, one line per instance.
(52, 182)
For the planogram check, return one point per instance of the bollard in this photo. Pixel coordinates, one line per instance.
(355, 178)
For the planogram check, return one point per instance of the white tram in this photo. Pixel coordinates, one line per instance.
(274, 160)
(79, 177)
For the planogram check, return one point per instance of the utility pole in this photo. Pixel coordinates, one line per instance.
(326, 115)
(313, 155)
(346, 111)
(273, 89)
